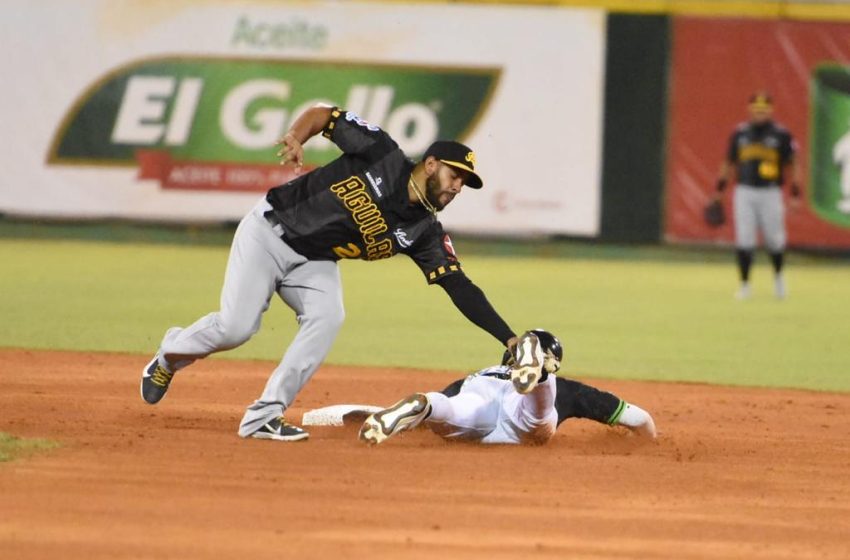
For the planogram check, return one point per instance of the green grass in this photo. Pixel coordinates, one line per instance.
(12, 447)
(621, 313)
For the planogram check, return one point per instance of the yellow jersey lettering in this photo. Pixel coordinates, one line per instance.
(759, 151)
(769, 170)
(344, 188)
(380, 250)
(354, 201)
(366, 214)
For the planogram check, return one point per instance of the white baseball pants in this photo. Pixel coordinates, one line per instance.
(489, 410)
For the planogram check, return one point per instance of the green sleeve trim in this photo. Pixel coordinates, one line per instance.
(617, 413)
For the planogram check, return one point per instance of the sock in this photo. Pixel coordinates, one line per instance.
(778, 260)
(745, 260)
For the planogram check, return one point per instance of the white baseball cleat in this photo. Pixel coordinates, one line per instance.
(743, 293)
(406, 414)
(528, 369)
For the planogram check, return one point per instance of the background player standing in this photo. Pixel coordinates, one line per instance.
(520, 401)
(759, 150)
(370, 203)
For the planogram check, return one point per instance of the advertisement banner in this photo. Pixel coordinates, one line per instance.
(133, 110)
(717, 65)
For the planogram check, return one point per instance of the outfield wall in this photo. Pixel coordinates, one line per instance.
(585, 123)
(716, 65)
(135, 110)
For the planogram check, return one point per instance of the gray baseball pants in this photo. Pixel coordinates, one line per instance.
(259, 265)
(759, 209)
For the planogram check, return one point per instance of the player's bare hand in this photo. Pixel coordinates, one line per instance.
(291, 151)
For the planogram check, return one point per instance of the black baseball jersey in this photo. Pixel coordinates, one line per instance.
(760, 152)
(357, 206)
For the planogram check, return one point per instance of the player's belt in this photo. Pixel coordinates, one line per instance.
(277, 225)
(760, 187)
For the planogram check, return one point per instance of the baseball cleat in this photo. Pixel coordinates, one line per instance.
(527, 372)
(155, 380)
(279, 429)
(406, 414)
(779, 287)
(744, 293)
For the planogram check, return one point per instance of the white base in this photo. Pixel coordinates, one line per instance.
(338, 414)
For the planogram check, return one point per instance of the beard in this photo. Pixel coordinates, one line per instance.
(432, 192)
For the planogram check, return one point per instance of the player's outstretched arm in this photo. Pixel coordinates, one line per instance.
(636, 419)
(308, 124)
(472, 302)
(574, 399)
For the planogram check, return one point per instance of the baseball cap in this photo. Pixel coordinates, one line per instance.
(761, 100)
(457, 155)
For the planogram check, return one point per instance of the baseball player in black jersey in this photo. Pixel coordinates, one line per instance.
(520, 401)
(370, 203)
(759, 151)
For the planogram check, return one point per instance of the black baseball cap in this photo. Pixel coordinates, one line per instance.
(760, 100)
(457, 155)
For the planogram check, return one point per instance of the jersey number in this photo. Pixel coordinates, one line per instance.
(769, 170)
(350, 251)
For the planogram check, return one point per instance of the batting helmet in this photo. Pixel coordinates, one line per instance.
(552, 349)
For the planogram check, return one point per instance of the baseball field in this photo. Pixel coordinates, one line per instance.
(751, 399)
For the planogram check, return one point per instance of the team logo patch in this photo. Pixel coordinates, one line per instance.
(376, 184)
(470, 157)
(353, 117)
(401, 237)
(447, 243)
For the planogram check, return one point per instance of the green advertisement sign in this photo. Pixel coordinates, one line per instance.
(830, 144)
(232, 111)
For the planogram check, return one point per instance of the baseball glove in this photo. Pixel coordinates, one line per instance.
(714, 214)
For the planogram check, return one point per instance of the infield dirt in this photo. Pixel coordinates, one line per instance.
(736, 473)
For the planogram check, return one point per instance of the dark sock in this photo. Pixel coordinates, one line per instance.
(778, 260)
(745, 260)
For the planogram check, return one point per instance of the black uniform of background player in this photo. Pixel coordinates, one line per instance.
(759, 150)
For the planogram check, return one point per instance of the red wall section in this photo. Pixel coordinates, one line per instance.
(717, 64)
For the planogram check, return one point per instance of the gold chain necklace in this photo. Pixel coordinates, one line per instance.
(425, 202)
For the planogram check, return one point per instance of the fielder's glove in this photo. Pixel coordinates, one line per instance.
(714, 213)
